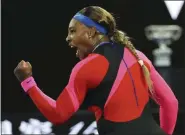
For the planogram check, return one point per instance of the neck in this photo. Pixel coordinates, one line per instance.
(100, 39)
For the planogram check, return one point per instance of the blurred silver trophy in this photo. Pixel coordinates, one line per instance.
(163, 35)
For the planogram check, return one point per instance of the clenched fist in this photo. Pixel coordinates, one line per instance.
(23, 70)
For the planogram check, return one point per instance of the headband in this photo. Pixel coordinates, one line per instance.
(89, 22)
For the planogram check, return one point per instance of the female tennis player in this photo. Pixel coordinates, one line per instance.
(112, 79)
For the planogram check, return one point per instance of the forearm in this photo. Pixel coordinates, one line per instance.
(168, 116)
(45, 104)
(54, 111)
(167, 101)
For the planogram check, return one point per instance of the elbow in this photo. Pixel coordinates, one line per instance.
(174, 103)
(57, 121)
(60, 116)
(170, 103)
(60, 119)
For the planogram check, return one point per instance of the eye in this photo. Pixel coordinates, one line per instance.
(72, 31)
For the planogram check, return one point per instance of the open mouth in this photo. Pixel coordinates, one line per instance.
(77, 49)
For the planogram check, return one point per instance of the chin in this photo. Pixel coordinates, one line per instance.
(81, 58)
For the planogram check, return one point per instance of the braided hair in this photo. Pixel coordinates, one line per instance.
(106, 19)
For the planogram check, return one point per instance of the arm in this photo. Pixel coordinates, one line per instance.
(53, 110)
(86, 74)
(66, 104)
(167, 101)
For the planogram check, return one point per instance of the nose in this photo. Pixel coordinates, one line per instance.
(68, 39)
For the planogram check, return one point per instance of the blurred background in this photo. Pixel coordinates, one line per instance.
(36, 30)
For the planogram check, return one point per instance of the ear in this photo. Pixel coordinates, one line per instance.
(92, 32)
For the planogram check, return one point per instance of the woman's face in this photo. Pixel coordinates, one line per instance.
(79, 37)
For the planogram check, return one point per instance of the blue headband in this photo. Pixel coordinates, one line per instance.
(89, 23)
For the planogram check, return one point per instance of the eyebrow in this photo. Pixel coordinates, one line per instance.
(71, 28)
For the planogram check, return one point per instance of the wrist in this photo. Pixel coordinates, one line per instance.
(28, 83)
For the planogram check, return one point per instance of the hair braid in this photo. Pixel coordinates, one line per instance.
(121, 38)
(105, 19)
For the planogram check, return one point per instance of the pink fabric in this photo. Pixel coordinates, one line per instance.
(164, 97)
(130, 60)
(49, 100)
(167, 101)
(28, 83)
(71, 85)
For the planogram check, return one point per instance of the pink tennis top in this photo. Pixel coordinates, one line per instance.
(88, 74)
